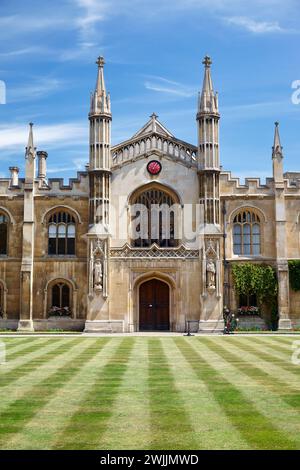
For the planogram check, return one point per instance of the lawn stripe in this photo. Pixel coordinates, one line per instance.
(274, 358)
(86, 427)
(254, 354)
(213, 429)
(24, 350)
(284, 417)
(36, 371)
(269, 344)
(15, 343)
(129, 425)
(170, 423)
(226, 383)
(28, 427)
(58, 411)
(14, 370)
(265, 373)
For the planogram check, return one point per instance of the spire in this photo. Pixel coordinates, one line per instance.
(30, 149)
(277, 148)
(208, 100)
(30, 158)
(100, 99)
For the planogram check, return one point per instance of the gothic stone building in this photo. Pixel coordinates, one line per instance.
(68, 258)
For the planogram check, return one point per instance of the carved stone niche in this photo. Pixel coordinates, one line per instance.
(98, 267)
(211, 266)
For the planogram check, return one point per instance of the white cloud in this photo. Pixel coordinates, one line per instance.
(256, 27)
(45, 136)
(163, 85)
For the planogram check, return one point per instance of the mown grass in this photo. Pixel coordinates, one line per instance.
(149, 393)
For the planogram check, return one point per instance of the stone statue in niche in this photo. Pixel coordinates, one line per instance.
(98, 275)
(211, 274)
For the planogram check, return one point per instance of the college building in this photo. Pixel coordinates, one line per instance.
(144, 239)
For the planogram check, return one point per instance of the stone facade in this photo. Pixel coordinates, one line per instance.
(68, 259)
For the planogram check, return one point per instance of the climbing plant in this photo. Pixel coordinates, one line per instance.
(294, 274)
(256, 279)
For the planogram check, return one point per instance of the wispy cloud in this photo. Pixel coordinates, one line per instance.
(256, 27)
(38, 88)
(22, 51)
(258, 110)
(163, 85)
(46, 136)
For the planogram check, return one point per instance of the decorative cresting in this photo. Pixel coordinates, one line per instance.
(154, 251)
(211, 267)
(154, 137)
(154, 217)
(98, 268)
(246, 233)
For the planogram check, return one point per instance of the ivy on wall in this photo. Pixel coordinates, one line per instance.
(294, 274)
(256, 279)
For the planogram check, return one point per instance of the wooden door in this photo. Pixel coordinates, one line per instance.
(154, 306)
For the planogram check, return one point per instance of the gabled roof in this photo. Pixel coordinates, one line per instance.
(153, 125)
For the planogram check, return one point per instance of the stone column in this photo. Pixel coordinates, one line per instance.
(283, 296)
(26, 281)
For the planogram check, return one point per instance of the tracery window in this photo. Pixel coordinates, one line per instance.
(154, 215)
(60, 300)
(246, 233)
(61, 234)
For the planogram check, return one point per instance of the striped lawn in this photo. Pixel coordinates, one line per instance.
(210, 392)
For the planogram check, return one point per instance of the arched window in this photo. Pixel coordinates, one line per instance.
(153, 218)
(246, 233)
(3, 233)
(60, 300)
(61, 234)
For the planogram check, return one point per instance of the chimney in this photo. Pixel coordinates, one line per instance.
(42, 168)
(14, 175)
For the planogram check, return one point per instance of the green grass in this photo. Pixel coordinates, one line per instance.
(209, 392)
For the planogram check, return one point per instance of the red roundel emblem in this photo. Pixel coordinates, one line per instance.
(154, 167)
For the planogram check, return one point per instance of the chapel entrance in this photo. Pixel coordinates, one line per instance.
(154, 306)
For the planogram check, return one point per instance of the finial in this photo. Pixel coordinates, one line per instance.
(154, 116)
(31, 124)
(207, 61)
(276, 124)
(100, 61)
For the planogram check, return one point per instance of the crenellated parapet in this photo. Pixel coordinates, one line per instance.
(231, 186)
(55, 186)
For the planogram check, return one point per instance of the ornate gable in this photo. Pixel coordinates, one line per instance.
(153, 126)
(154, 138)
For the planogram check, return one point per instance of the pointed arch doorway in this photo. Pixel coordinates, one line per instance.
(154, 306)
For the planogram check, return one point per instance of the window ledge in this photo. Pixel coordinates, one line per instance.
(61, 256)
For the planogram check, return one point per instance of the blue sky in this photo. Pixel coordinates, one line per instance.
(153, 52)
